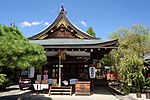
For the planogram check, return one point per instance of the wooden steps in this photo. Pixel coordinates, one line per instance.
(60, 90)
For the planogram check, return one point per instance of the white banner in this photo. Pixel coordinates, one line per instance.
(31, 72)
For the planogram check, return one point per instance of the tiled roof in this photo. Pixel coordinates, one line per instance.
(68, 42)
(147, 57)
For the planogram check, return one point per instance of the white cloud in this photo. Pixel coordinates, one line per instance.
(36, 23)
(25, 24)
(29, 24)
(46, 23)
(83, 23)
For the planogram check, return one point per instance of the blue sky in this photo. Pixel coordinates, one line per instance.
(105, 16)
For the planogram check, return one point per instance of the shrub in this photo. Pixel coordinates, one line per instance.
(3, 81)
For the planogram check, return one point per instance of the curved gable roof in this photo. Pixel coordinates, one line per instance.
(62, 15)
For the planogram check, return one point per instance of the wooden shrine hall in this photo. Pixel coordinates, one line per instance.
(70, 51)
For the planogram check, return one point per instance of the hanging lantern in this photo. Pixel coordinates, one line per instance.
(92, 72)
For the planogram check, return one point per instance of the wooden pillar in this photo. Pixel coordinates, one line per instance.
(62, 56)
(49, 70)
(59, 70)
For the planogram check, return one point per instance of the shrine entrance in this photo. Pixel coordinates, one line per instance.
(80, 72)
(69, 72)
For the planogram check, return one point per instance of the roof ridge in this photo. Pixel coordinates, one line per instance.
(62, 14)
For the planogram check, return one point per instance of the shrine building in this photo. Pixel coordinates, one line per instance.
(70, 51)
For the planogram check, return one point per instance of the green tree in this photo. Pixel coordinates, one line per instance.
(105, 61)
(3, 81)
(91, 32)
(17, 52)
(133, 45)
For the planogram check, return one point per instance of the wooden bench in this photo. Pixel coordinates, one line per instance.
(60, 90)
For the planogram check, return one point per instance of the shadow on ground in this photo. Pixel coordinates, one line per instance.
(106, 90)
(9, 89)
(25, 96)
(113, 91)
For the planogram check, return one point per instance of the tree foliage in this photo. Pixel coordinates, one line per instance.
(105, 61)
(3, 81)
(91, 32)
(16, 51)
(134, 43)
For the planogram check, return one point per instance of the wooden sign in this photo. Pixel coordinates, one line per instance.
(62, 54)
(54, 82)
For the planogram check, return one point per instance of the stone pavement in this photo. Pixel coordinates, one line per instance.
(100, 93)
(12, 90)
(15, 94)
